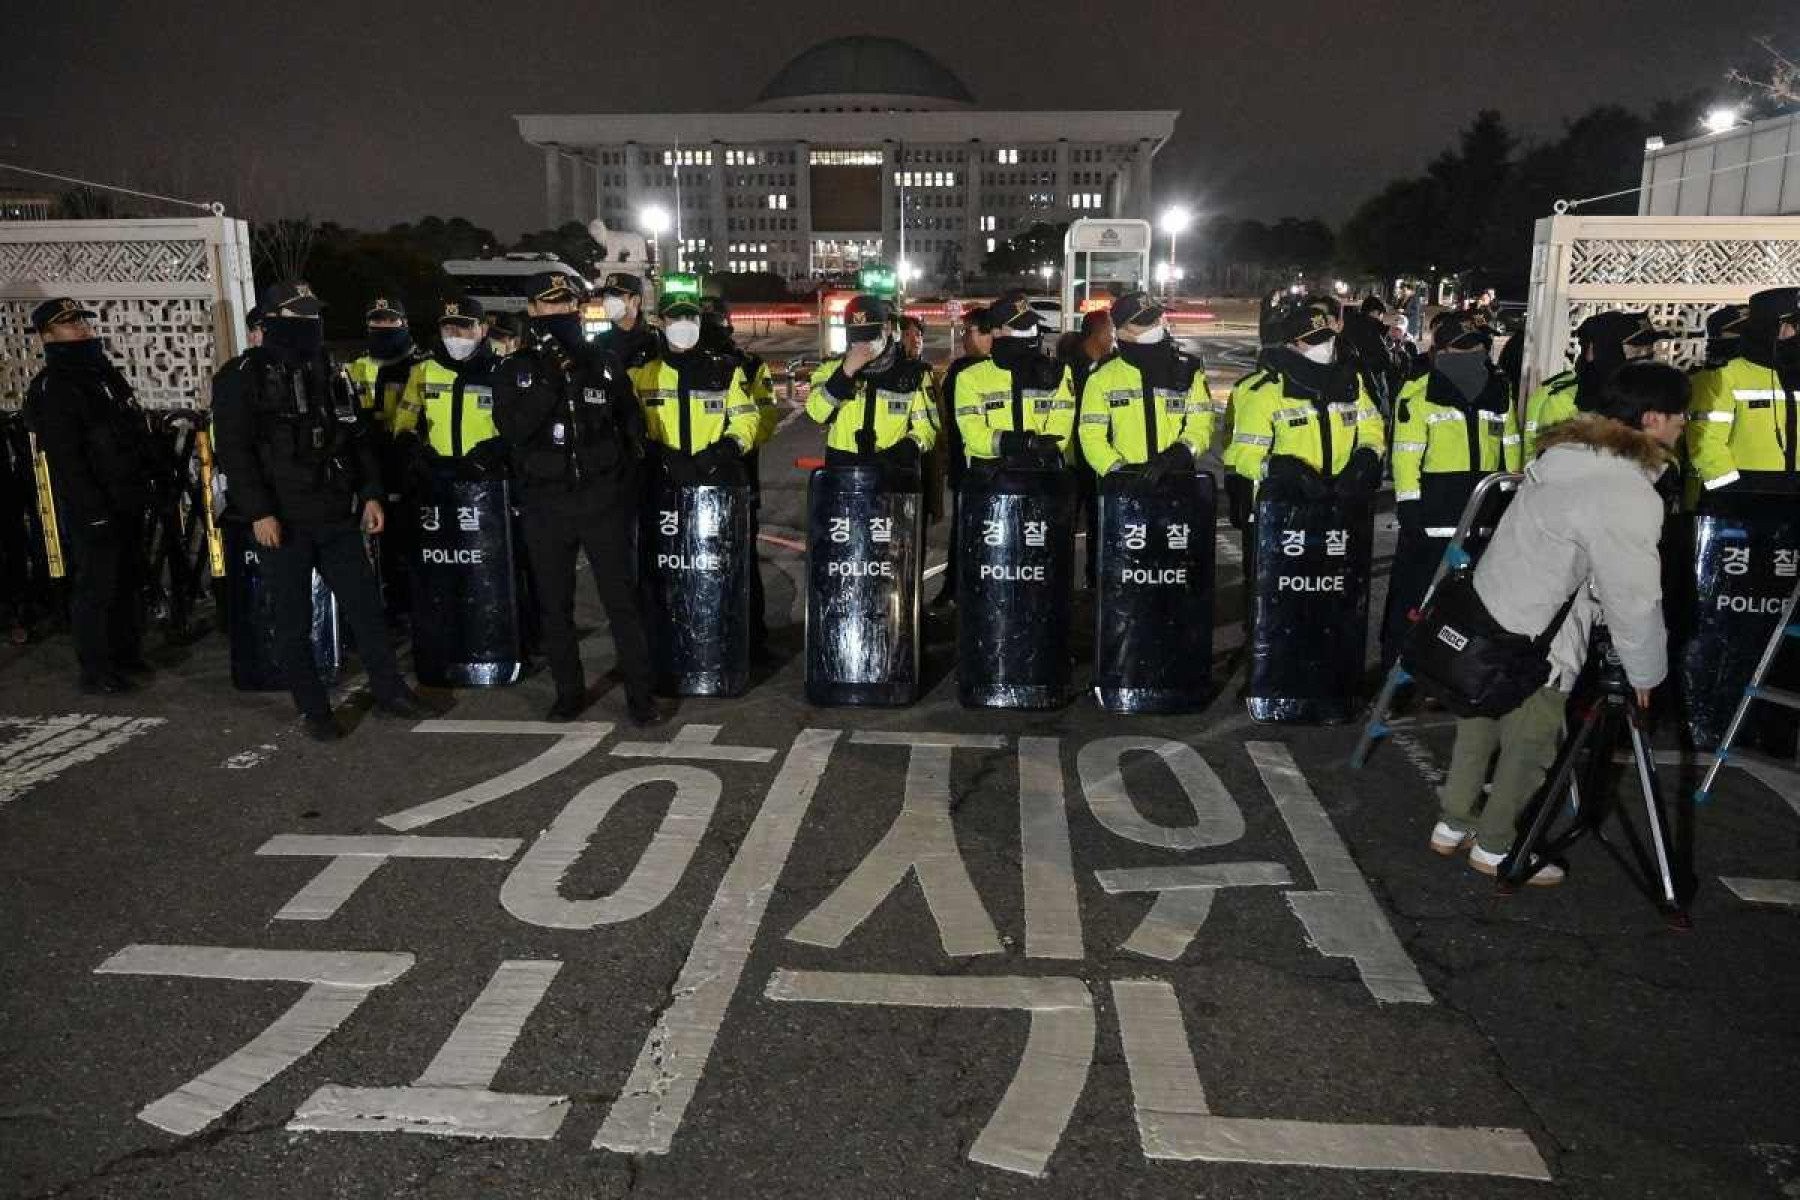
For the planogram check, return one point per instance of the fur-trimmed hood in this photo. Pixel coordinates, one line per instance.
(1605, 435)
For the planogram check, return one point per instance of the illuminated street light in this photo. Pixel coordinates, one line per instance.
(1046, 271)
(654, 220)
(1175, 219)
(1722, 119)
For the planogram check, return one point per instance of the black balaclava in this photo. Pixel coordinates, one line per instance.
(294, 338)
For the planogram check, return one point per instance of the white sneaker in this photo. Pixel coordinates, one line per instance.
(1447, 840)
(1548, 875)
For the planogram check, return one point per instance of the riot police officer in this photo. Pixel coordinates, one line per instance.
(505, 334)
(695, 407)
(381, 373)
(718, 336)
(300, 467)
(1148, 403)
(94, 441)
(629, 336)
(978, 343)
(1453, 426)
(253, 326)
(1724, 335)
(1745, 434)
(1608, 340)
(448, 408)
(872, 399)
(1015, 406)
(566, 410)
(1305, 423)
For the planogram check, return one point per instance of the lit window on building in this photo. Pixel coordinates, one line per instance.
(844, 158)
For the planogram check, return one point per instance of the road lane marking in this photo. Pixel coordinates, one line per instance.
(340, 981)
(1342, 918)
(572, 741)
(51, 745)
(1174, 1121)
(1184, 899)
(1047, 863)
(354, 858)
(1101, 766)
(454, 1096)
(532, 891)
(921, 842)
(698, 742)
(648, 1112)
(1053, 1070)
(1785, 892)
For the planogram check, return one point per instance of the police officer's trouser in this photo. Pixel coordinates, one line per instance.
(106, 600)
(597, 520)
(1416, 557)
(339, 554)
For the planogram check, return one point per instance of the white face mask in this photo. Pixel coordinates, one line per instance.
(461, 348)
(1320, 352)
(682, 335)
(614, 307)
(879, 346)
(1153, 335)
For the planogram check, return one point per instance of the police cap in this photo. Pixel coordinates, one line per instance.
(678, 307)
(1302, 322)
(462, 310)
(294, 295)
(1452, 330)
(621, 283)
(387, 306)
(506, 325)
(1619, 329)
(866, 316)
(1772, 306)
(58, 311)
(1136, 308)
(551, 287)
(1726, 321)
(1012, 313)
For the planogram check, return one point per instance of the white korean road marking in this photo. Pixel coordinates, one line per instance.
(1052, 905)
(572, 741)
(1184, 897)
(355, 858)
(1217, 819)
(48, 746)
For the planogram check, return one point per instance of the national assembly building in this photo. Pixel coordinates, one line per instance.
(861, 149)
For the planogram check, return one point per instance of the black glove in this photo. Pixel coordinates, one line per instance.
(418, 467)
(1012, 444)
(1177, 460)
(490, 460)
(1360, 476)
(903, 453)
(1044, 445)
(1407, 511)
(865, 441)
(1240, 497)
(1293, 480)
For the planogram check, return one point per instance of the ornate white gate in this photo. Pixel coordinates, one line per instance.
(1679, 268)
(171, 294)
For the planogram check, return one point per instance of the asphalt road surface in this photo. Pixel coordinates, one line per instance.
(774, 950)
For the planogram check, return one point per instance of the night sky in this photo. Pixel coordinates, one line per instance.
(370, 113)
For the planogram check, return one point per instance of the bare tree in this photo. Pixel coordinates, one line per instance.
(1781, 81)
(285, 245)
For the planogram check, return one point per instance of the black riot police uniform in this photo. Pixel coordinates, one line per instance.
(94, 441)
(567, 411)
(294, 446)
(637, 345)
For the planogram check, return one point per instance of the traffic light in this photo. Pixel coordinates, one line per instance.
(680, 283)
(878, 281)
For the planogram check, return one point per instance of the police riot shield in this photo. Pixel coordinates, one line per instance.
(465, 602)
(250, 619)
(864, 545)
(1309, 609)
(1153, 623)
(1743, 569)
(1016, 539)
(698, 557)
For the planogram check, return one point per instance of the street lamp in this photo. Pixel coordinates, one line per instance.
(1724, 117)
(1175, 219)
(1046, 271)
(654, 220)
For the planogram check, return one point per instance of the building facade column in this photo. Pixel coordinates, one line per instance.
(803, 230)
(1138, 204)
(890, 202)
(553, 192)
(974, 236)
(715, 209)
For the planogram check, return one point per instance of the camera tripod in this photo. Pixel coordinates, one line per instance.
(1608, 713)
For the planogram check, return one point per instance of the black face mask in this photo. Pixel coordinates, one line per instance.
(1787, 352)
(294, 337)
(1590, 377)
(715, 335)
(390, 343)
(87, 354)
(1009, 351)
(564, 327)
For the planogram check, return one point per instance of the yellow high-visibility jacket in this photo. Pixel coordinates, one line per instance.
(691, 400)
(1124, 420)
(1031, 396)
(894, 404)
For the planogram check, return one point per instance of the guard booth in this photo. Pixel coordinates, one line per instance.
(1102, 259)
(864, 549)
